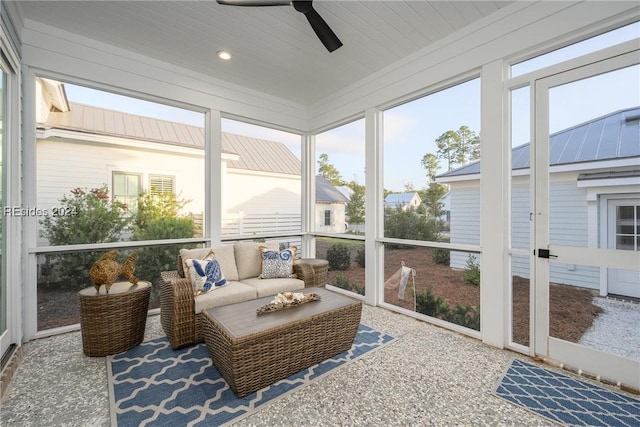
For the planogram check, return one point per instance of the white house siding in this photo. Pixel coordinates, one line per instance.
(63, 165)
(261, 203)
(337, 217)
(568, 226)
(465, 221)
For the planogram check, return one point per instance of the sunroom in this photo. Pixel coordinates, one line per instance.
(121, 104)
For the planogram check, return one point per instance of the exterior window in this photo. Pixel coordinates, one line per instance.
(162, 184)
(126, 188)
(327, 217)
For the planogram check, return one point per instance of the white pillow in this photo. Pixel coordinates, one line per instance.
(205, 275)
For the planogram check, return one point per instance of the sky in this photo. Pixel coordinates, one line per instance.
(410, 130)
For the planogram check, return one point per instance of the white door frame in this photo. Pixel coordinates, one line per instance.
(608, 226)
(616, 368)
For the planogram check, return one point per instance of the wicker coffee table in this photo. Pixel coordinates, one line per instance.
(115, 322)
(252, 351)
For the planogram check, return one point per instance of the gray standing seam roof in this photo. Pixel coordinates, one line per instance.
(613, 136)
(255, 154)
(327, 192)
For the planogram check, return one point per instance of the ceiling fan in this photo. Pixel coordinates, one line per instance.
(321, 28)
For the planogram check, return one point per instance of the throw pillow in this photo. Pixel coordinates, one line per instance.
(204, 274)
(277, 264)
(197, 253)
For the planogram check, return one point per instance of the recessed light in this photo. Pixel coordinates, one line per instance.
(223, 55)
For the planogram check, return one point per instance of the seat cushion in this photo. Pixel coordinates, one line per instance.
(249, 257)
(232, 293)
(267, 287)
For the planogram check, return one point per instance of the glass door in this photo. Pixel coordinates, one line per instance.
(586, 153)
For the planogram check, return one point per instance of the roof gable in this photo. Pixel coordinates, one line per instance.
(327, 193)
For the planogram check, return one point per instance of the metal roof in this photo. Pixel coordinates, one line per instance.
(399, 199)
(254, 154)
(328, 193)
(613, 136)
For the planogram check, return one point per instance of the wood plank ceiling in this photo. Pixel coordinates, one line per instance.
(274, 49)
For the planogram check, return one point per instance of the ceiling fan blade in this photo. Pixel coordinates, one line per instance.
(254, 2)
(322, 29)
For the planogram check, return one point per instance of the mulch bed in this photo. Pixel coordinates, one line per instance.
(572, 309)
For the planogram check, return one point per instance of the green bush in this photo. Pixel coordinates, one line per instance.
(434, 306)
(90, 217)
(342, 282)
(431, 305)
(409, 224)
(441, 256)
(152, 260)
(360, 257)
(472, 271)
(339, 257)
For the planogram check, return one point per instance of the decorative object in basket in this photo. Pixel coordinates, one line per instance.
(106, 270)
(288, 300)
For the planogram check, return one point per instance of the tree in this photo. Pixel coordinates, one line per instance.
(447, 144)
(468, 148)
(328, 171)
(431, 163)
(355, 206)
(431, 199)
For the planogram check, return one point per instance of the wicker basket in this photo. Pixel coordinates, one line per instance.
(115, 322)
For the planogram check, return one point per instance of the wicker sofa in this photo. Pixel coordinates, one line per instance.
(181, 311)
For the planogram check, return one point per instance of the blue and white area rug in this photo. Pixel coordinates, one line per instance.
(154, 385)
(564, 399)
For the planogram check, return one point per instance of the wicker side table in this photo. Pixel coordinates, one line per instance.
(319, 268)
(115, 322)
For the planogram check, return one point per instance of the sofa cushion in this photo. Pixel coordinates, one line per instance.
(226, 256)
(277, 264)
(205, 275)
(233, 293)
(248, 258)
(267, 287)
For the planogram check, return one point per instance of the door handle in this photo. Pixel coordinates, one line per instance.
(545, 253)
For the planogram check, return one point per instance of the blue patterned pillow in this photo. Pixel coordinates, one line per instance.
(205, 275)
(276, 264)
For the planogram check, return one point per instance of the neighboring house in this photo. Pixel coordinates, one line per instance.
(594, 197)
(330, 207)
(403, 201)
(87, 147)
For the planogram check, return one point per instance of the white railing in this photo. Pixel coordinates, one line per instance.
(242, 224)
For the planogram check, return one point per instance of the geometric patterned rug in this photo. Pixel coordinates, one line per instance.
(564, 399)
(153, 385)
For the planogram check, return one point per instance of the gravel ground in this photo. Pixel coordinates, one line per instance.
(428, 376)
(616, 329)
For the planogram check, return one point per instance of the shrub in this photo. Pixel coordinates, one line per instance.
(441, 256)
(339, 257)
(408, 224)
(472, 271)
(434, 306)
(360, 257)
(431, 305)
(91, 218)
(152, 260)
(340, 281)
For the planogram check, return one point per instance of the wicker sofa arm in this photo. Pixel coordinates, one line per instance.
(177, 314)
(305, 273)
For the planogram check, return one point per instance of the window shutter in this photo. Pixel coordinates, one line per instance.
(162, 184)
